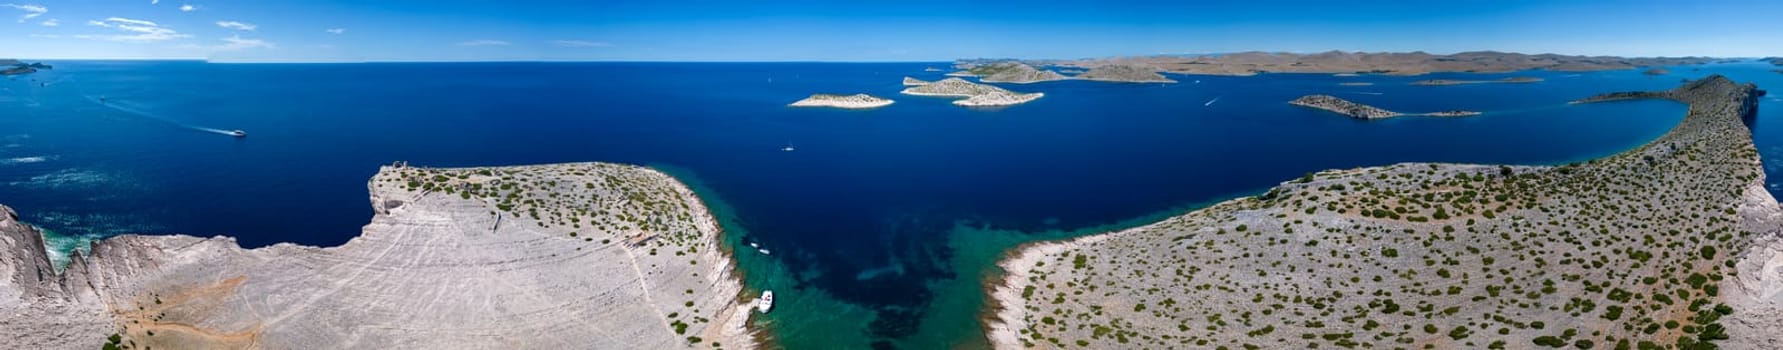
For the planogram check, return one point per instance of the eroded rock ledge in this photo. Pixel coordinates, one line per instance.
(1670, 244)
(583, 255)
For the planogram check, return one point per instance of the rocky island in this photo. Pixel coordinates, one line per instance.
(976, 95)
(1674, 244)
(584, 255)
(1510, 80)
(908, 81)
(15, 67)
(1012, 72)
(855, 101)
(1391, 63)
(1362, 111)
(1124, 74)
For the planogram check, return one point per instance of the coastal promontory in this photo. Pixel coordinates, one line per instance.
(1675, 244)
(1362, 111)
(976, 95)
(855, 101)
(584, 255)
(908, 81)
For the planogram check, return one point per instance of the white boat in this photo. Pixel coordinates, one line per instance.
(763, 251)
(238, 133)
(753, 245)
(787, 149)
(766, 302)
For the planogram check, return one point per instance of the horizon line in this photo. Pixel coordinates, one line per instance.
(547, 60)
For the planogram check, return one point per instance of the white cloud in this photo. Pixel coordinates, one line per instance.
(336, 30)
(237, 25)
(124, 21)
(188, 8)
(235, 42)
(579, 43)
(137, 31)
(31, 11)
(50, 22)
(483, 42)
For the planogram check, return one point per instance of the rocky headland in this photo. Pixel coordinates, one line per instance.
(908, 81)
(1121, 73)
(855, 101)
(1350, 109)
(975, 94)
(1391, 63)
(584, 255)
(1674, 244)
(1510, 80)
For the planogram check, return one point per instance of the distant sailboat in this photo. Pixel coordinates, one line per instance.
(788, 148)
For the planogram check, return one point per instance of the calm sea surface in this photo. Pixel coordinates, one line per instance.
(881, 222)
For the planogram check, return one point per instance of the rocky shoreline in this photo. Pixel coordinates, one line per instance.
(855, 101)
(584, 255)
(1361, 111)
(1673, 243)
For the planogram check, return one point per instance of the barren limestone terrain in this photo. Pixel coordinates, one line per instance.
(581, 255)
(1671, 245)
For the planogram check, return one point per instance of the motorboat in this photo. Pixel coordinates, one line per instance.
(766, 302)
(238, 133)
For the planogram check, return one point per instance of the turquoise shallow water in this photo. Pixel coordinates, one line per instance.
(881, 223)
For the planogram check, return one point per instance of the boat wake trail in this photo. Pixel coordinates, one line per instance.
(1210, 102)
(134, 109)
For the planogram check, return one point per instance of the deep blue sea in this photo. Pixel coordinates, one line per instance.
(881, 222)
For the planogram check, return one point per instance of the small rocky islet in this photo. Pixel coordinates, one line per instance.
(976, 95)
(1510, 80)
(855, 101)
(1361, 111)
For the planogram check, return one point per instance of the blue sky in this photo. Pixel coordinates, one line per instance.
(839, 30)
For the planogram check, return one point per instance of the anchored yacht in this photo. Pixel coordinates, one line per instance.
(766, 302)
